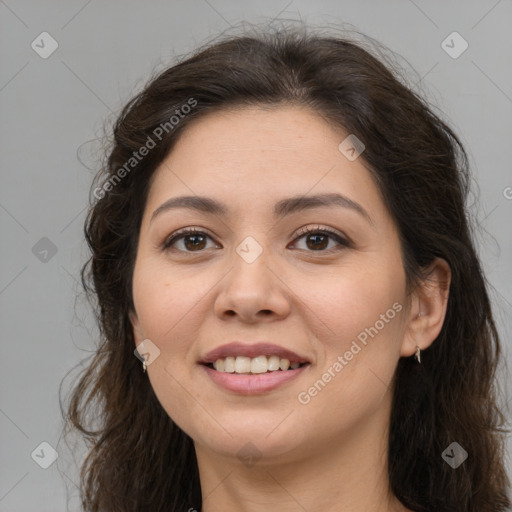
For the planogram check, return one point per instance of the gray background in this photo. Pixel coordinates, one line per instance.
(51, 107)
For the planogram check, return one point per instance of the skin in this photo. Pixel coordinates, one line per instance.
(328, 454)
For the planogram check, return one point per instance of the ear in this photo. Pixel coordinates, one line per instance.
(137, 331)
(428, 309)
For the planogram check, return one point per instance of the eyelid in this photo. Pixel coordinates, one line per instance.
(318, 227)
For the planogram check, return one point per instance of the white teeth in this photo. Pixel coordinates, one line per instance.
(242, 364)
(284, 364)
(260, 364)
(229, 365)
(273, 363)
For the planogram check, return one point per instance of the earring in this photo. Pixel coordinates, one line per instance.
(417, 356)
(144, 366)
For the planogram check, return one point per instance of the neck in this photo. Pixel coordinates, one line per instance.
(348, 476)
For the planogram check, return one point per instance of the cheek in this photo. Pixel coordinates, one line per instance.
(358, 313)
(355, 302)
(165, 304)
(167, 311)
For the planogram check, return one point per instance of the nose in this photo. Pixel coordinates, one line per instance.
(253, 292)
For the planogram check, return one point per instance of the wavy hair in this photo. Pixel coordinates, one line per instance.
(137, 458)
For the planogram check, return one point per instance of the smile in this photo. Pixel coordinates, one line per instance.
(252, 368)
(255, 365)
(246, 383)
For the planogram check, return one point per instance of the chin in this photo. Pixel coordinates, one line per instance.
(272, 441)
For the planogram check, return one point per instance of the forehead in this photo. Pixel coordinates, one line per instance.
(266, 131)
(258, 155)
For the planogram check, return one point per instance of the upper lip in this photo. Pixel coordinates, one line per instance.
(237, 348)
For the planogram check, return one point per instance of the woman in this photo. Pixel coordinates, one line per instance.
(280, 237)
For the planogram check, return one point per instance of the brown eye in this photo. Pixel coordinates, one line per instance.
(318, 239)
(193, 241)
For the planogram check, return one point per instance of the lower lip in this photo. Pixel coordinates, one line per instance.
(253, 384)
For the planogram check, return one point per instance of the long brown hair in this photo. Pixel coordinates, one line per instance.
(138, 459)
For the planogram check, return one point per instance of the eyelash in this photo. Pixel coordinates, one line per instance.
(343, 242)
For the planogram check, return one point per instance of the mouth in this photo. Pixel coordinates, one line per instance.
(253, 369)
(243, 365)
(252, 358)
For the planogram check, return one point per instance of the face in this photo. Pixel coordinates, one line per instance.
(252, 273)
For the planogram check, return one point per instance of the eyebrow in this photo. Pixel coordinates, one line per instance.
(282, 208)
